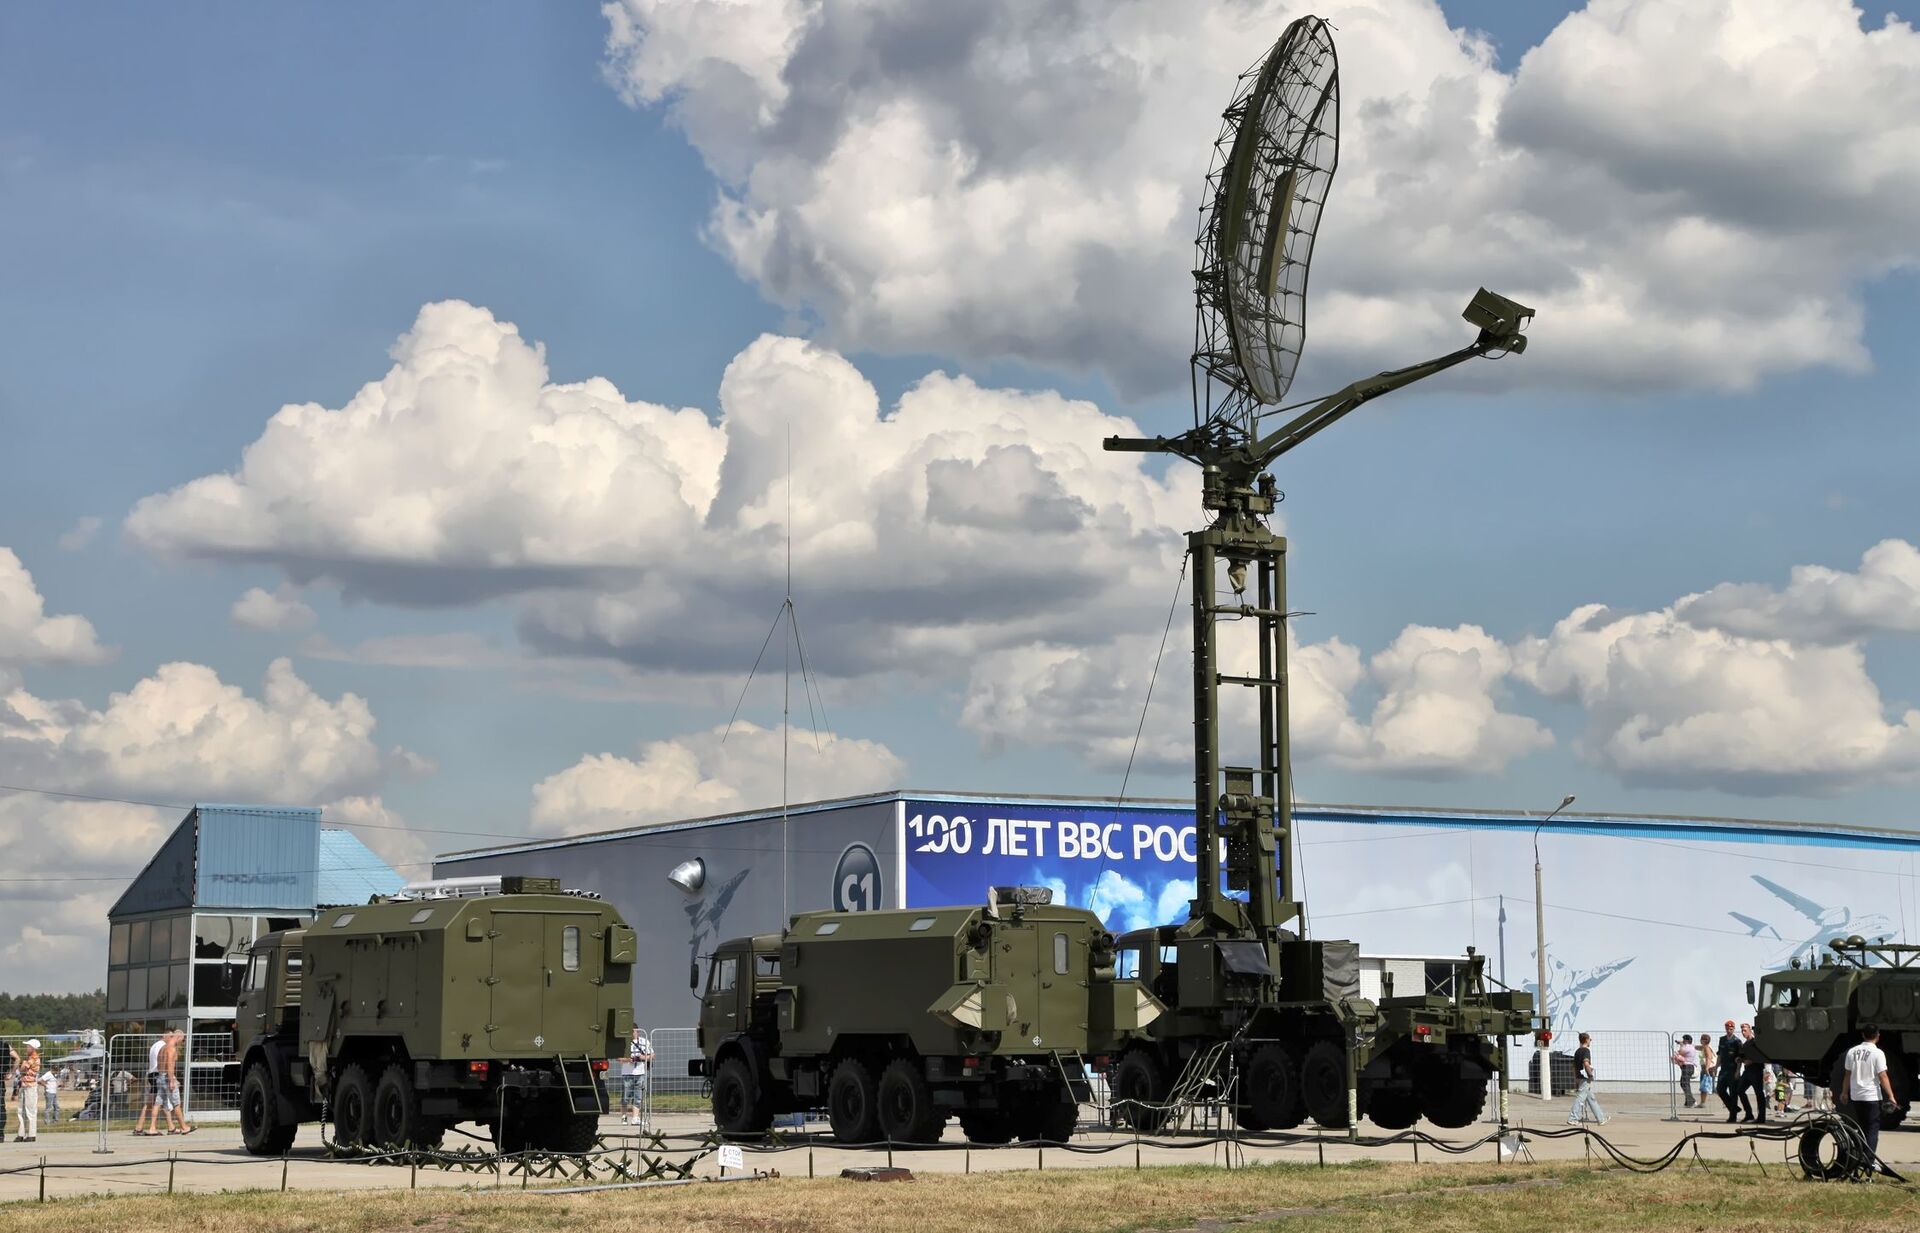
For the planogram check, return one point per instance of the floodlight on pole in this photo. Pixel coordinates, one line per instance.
(1540, 954)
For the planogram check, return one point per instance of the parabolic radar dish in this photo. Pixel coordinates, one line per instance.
(1272, 166)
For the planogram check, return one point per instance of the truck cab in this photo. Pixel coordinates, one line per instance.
(743, 980)
(268, 1003)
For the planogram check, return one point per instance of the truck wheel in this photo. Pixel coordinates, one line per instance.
(1392, 1108)
(1323, 1082)
(986, 1126)
(260, 1126)
(1139, 1089)
(1273, 1089)
(907, 1111)
(396, 1110)
(852, 1103)
(739, 1106)
(568, 1134)
(1453, 1094)
(352, 1107)
(1055, 1121)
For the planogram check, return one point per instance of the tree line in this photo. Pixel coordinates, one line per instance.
(35, 1014)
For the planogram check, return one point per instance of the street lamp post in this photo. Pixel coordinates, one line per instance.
(1540, 954)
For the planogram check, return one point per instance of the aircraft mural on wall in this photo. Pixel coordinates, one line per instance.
(1827, 922)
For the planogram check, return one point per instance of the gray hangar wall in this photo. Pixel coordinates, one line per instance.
(742, 891)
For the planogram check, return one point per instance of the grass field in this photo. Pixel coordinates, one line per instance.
(1481, 1198)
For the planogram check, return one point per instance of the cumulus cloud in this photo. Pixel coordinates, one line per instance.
(1004, 178)
(696, 774)
(1672, 704)
(28, 634)
(464, 458)
(960, 518)
(180, 734)
(80, 534)
(1820, 604)
(1438, 711)
(277, 610)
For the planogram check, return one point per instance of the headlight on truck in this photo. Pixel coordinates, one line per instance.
(1819, 1021)
(1785, 1020)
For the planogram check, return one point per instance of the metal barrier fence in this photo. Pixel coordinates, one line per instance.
(72, 1061)
(673, 1048)
(198, 1082)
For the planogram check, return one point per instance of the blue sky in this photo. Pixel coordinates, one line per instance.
(225, 209)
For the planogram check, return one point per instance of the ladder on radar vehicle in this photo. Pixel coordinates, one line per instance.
(584, 1094)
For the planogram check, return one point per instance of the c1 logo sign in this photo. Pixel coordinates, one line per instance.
(856, 880)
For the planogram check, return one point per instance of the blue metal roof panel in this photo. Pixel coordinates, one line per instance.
(255, 856)
(350, 872)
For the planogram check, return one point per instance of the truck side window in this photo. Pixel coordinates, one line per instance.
(1060, 954)
(1129, 965)
(725, 973)
(570, 948)
(767, 967)
(257, 973)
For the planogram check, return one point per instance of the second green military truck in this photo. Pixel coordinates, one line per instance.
(896, 1021)
(1807, 1017)
(396, 1019)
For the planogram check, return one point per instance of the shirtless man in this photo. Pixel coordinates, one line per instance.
(170, 1083)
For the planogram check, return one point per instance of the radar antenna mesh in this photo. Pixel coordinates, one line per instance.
(1273, 162)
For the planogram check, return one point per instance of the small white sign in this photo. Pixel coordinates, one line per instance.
(731, 1157)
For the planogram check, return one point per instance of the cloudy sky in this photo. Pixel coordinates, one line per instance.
(407, 410)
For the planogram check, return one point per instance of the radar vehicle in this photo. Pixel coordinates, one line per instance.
(897, 1020)
(1807, 1017)
(1255, 1007)
(395, 1019)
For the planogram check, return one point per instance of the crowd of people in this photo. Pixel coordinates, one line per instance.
(1748, 1086)
(33, 1089)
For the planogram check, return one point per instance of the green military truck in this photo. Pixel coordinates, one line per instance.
(396, 1019)
(1807, 1017)
(898, 1020)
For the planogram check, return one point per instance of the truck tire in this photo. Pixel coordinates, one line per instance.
(352, 1107)
(1453, 1095)
(396, 1110)
(1393, 1108)
(567, 1134)
(1323, 1083)
(739, 1104)
(1139, 1089)
(1273, 1100)
(990, 1126)
(1051, 1120)
(853, 1101)
(906, 1108)
(260, 1125)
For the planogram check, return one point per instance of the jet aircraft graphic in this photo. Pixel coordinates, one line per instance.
(1569, 987)
(1828, 922)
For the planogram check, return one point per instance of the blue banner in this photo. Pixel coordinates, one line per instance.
(1132, 865)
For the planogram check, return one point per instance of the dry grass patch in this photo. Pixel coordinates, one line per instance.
(1469, 1198)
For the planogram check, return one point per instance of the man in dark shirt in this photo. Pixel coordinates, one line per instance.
(1584, 1101)
(1753, 1076)
(1727, 1083)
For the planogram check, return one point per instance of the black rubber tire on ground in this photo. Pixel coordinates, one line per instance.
(739, 1106)
(1139, 1087)
(1056, 1120)
(566, 1133)
(353, 1107)
(906, 1109)
(853, 1102)
(1323, 1083)
(992, 1126)
(433, 1133)
(1273, 1097)
(1453, 1095)
(1393, 1108)
(396, 1110)
(260, 1126)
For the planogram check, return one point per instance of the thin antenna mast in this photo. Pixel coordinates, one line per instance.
(786, 690)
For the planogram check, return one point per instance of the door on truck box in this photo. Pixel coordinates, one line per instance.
(573, 982)
(518, 979)
(1017, 967)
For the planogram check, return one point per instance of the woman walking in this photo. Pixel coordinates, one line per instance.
(1706, 1067)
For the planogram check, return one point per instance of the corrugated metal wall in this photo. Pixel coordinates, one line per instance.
(256, 857)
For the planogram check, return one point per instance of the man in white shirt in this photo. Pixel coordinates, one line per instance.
(50, 1084)
(639, 1053)
(1867, 1082)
